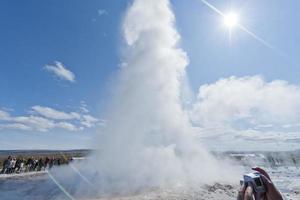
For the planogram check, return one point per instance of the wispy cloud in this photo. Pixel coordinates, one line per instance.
(89, 121)
(35, 122)
(83, 107)
(4, 115)
(15, 126)
(61, 71)
(54, 114)
(68, 126)
(102, 12)
(43, 119)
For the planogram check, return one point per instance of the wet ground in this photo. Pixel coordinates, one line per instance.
(42, 187)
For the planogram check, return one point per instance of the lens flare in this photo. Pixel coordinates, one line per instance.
(231, 20)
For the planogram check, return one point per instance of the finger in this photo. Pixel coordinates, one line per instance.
(265, 180)
(240, 196)
(249, 193)
(262, 171)
(271, 190)
(241, 193)
(243, 189)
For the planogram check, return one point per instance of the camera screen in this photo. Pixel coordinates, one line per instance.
(258, 182)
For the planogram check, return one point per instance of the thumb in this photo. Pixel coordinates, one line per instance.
(270, 187)
(262, 171)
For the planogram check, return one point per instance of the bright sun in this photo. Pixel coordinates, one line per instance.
(231, 20)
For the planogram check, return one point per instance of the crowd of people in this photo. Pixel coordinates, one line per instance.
(19, 165)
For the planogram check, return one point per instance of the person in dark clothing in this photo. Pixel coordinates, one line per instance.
(18, 165)
(51, 162)
(47, 160)
(40, 164)
(58, 161)
(11, 167)
(29, 164)
(6, 164)
(35, 164)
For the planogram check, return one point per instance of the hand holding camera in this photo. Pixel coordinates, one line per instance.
(258, 186)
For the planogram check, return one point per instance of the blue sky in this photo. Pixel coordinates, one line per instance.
(203, 33)
(85, 38)
(35, 34)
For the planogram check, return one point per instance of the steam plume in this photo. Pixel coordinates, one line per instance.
(148, 140)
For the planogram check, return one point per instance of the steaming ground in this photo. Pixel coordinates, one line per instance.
(42, 188)
(284, 172)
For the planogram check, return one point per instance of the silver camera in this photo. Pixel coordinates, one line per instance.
(254, 179)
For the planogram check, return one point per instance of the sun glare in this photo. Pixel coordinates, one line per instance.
(231, 20)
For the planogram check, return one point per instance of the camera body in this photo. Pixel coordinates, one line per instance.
(254, 179)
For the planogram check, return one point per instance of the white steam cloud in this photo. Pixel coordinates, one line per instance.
(148, 140)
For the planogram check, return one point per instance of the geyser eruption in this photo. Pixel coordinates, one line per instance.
(148, 140)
